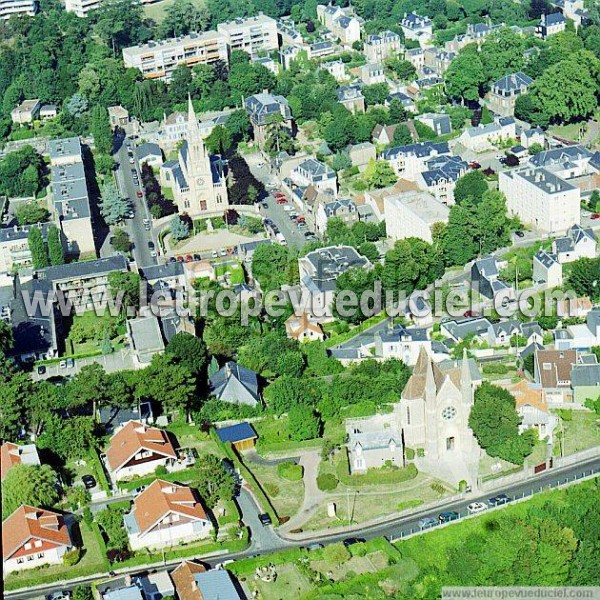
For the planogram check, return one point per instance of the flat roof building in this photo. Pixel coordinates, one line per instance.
(251, 34)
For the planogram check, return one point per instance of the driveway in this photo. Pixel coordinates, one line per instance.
(262, 537)
(253, 457)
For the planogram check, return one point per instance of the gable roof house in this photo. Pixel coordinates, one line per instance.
(550, 25)
(410, 160)
(483, 137)
(547, 269)
(417, 28)
(459, 329)
(235, 384)
(261, 108)
(440, 177)
(351, 97)
(485, 278)
(504, 92)
(166, 514)
(585, 380)
(194, 582)
(137, 449)
(383, 134)
(579, 242)
(500, 334)
(12, 455)
(32, 537)
(303, 328)
(402, 342)
(552, 372)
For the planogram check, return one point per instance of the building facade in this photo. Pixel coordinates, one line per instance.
(252, 34)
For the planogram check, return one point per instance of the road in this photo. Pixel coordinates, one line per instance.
(135, 227)
(266, 540)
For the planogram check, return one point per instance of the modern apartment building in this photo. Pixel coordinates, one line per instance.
(541, 199)
(158, 60)
(8, 8)
(251, 35)
(81, 7)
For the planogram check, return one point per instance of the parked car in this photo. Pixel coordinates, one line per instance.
(427, 522)
(595, 216)
(70, 363)
(172, 259)
(41, 370)
(353, 540)
(197, 257)
(476, 507)
(519, 233)
(152, 249)
(315, 546)
(287, 208)
(214, 254)
(88, 481)
(265, 519)
(139, 194)
(448, 516)
(189, 258)
(281, 201)
(499, 500)
(470, 314)
(265, 205)
(223, 252)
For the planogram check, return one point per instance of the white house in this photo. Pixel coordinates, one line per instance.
(402, 343)
(315, 173)
(411, 160)
(166, 514)
(483, 137)
(547, 269)
(137, 449)
(578, 243)
(417, 28)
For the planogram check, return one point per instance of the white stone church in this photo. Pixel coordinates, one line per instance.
(197, 179)
(434, 416)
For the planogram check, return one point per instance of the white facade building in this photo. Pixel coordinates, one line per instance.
(251, 35)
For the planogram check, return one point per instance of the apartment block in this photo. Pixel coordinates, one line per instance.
(158, 60)
(541, 199)
(81, 7)
(251, 35)
(8, 8)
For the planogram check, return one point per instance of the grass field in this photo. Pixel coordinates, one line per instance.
(156, 10)
(580, 432)
(290, 583)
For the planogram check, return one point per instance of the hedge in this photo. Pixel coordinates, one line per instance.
(327, 482)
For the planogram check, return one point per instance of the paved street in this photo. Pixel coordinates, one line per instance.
(135, 227)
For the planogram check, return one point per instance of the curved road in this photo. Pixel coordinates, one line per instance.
(266, 540)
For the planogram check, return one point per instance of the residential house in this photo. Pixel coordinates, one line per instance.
(485, 278)
(317, 174)
(361, 154)
(375, 199)
(580, 337)
(194, 582)
(550, 25)
(170, 279)
(439, 60)
(343, 209)
(341, 22)
(14, 246)
(137, 449)
(146, 339)
(372, 73)
(288, 31)
(304, 328)
(288, 54)
(112, 418)
(321, 49)
(378, 47)
(547, 269)
(439, 122)
(12, 455)
(235, 384)
(351, 97)
(184, 582)
(541, 199)
(335, 68)
(501, 333)
(251, 34)
(263, 109)
(533, 409)
(403, 343)
(166, 514)
(504, 92)
(383, 135)
(156, 586)
(585, 381)
(417, 28)
(374, 442)
(552, 371)
(407, 102)
(128, 592)
(532, 136)
(118, 116)
(457, 330)
(241, 436)
(579, 243)
(576, 307)
(413, 214)
(484, 137)
(267, 62)
(150, 154)
(410, 160)
(416, 57)
(33, 537)
(159, 59)
(567, 162)
(48, 111)
(440, 177)
(26, 112)
(319, 271)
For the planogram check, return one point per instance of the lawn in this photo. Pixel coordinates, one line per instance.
(272, 437)
(569, 132)
(86, 332)
(581, 431)
(190, 436)
(369, 563)
(156, 10)
(290, 583)
(92, 561)
(286, 496)
(231, 271)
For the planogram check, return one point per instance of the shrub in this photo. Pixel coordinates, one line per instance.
(327, 482)
(160, 471)
(420, 452)
(290, 471)
(88, 518)
(410, 453)
(72, 557)
(438, 488)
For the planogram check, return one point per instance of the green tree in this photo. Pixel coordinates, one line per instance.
(376, 93)
(56, 251)
(179, 228)
(29, 213)
(82, 592)
(465, 76)
(31, 485)
(341, 161)
(188, 350)
(67, 438)
(471, 186)
(584, 277)
(89, 388)
(397, 113)
(535, 149)
(404, 70)
(379, 174)
(37, 247)
(182, 17)
(127, 285)
(16, 391)
(212, 480)
(219, 141)
(402, 136)
(121, 241)
(113, 207)
(303, 423)
(100, 129)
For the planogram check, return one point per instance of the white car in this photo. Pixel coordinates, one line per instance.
(288, 208)
(215, 254)
(63, 364)
(476, 507)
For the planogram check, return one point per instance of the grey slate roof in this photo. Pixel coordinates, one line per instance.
(547, 259)
(421, 150)
(560, 155)
(148, 149)
(216, 585)
(512, 83)
(166, 271)
(444, 168)
(261, 106)
(586, 376)
(401, 333)
(233, 372)
(459, 329)
(88, 268)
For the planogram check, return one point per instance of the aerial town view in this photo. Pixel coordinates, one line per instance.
(299, 300)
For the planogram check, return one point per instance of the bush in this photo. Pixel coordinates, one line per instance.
(290, 471)
(410, 453)
(438, 488)
(160, 471)
(327, 482)
(72, 557)
(498, 369)
(420, 452)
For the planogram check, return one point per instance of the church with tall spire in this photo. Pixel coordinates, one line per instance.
(197, 178)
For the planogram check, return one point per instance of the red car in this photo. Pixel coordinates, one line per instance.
(189, 258)
(180, 259)
(595, 216)
(281, 200)
(139, 194)
(469, 314)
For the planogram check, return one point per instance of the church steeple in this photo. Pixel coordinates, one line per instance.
(193, 128)
(465, 378)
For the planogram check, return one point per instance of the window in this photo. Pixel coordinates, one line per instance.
(449, 413)
(40, 555)
(408, 415)
(20, 561)
(28, 546)
(38, 543)
(450, 443)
